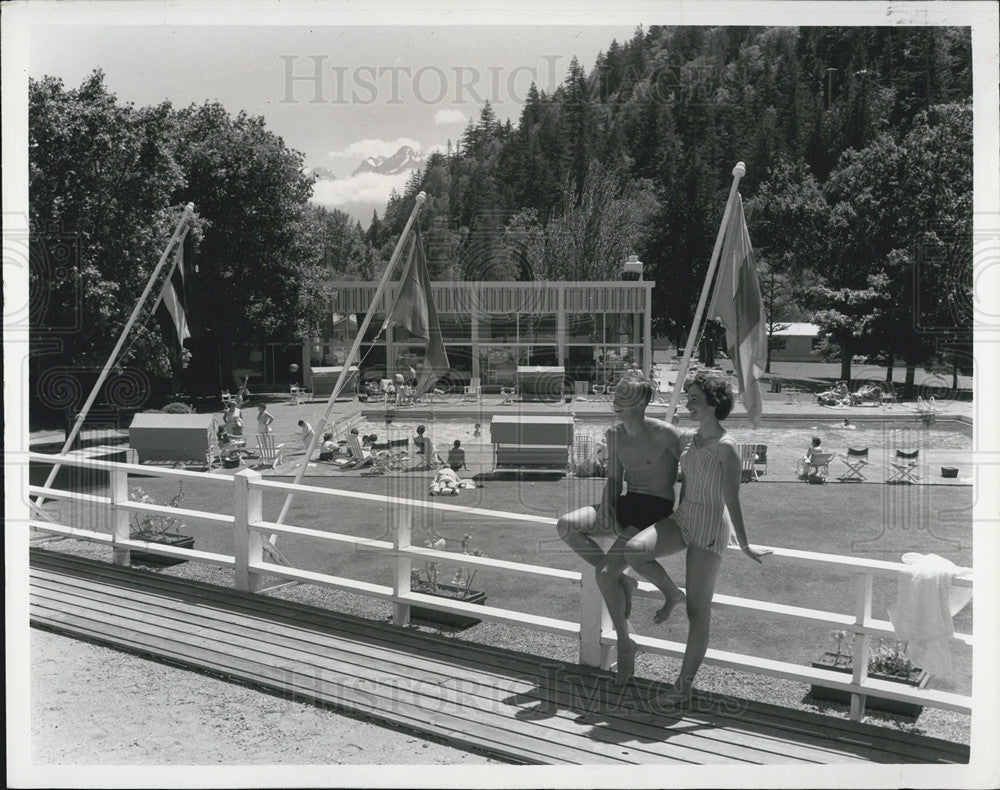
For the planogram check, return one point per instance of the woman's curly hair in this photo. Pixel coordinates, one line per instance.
(717, 392)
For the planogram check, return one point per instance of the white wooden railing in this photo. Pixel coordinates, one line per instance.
(593, 629)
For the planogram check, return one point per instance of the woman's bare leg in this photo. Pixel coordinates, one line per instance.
(701, 574)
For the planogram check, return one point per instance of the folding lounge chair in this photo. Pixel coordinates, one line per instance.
(748, 463)
(817, 468)
(507, 395)
(855, 460)
(904, 467)
(359, 456)
(761, 451)
(791, 395)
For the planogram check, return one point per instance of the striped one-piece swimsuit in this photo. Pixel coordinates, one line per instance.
(701, 513)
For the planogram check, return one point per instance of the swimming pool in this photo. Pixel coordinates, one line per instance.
(894, 434)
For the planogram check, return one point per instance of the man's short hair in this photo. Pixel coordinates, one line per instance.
(636, 389)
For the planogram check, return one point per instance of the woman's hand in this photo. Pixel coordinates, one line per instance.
(755, 555)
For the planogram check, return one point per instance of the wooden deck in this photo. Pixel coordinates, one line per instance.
(515, 706)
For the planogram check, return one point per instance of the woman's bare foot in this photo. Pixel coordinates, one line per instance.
(626, 661)
(664, 611)
(672, 698)
(629, 585)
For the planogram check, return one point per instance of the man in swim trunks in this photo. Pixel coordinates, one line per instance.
(642, 470)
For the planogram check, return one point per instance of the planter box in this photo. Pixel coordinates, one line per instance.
(949, 471)
(146, 558)
(448, 618)
(918, 679)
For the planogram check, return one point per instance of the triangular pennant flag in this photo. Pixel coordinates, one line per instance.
(169, 307)
(414, 311)
(737, 305)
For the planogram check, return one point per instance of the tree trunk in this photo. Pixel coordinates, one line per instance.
(845, 360)
(954, 371)
(911, 375)
(888, 368)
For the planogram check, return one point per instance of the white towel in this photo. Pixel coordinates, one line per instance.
(925, 604)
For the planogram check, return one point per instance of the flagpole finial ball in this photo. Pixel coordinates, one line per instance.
(740, 170)
(421, 197)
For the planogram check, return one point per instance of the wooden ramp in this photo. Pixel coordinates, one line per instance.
(512, 705)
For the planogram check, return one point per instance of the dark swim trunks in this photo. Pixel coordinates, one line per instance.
(641, 510)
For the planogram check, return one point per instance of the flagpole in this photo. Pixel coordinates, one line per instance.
(345, 370)
(738, 172)
(82, 416)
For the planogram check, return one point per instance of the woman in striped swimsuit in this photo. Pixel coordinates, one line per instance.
(699, 525)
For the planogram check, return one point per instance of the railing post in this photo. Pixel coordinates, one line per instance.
(248, 544)
(594, 620)
(120, 517)
(862, 616)
(402, 515)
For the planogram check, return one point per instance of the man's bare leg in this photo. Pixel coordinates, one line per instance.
(609, 575)
(573, 527)
(659, 540)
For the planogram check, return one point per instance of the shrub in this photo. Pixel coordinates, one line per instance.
(177, 408)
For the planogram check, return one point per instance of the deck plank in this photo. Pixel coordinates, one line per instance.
(520, 707)
(509, 700)
(733, 715)
(559, 690)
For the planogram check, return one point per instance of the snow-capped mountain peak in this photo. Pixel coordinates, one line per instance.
(403, 160)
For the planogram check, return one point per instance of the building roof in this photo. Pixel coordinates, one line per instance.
(797, 329)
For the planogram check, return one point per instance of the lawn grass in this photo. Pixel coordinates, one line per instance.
(876, 521)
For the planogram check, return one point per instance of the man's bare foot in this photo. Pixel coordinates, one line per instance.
(664, 611)
(672, 698)
(629, 586)
(626, 661)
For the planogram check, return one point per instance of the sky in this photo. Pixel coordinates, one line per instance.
(337, 94)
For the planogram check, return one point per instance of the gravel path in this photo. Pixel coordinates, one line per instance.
(92, 705)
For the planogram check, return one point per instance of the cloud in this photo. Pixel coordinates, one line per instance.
(361, 149)
(362, 188)
(443, 117)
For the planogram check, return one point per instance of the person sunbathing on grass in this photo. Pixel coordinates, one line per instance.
(699, 525)
(642, 456)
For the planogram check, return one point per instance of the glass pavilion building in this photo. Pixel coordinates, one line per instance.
(594, 330)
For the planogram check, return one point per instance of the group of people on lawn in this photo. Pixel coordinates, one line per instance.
(637, 512)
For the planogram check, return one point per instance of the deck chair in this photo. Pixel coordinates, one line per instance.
(904, 467)
(359, 456)
(507, 395)
(818, 467)
(297, 394)
(404, 395)
(748, 463)
(271, 454)
(761, 451)
(791, 395)
(855, 460)
(473, 390)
